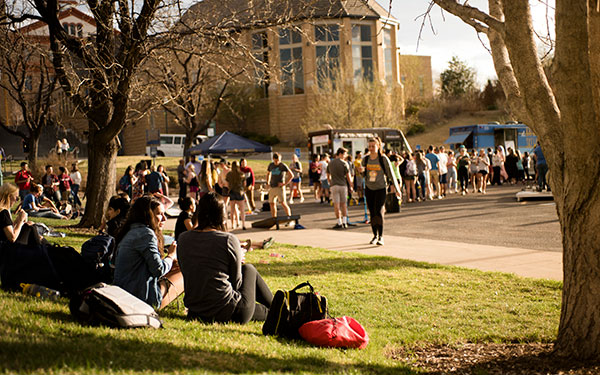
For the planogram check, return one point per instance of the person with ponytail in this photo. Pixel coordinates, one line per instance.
(378, 175)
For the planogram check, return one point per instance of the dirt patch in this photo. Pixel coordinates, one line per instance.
(492, 359)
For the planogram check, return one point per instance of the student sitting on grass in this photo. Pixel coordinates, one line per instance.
(118, 206)
(38, 206)
(184, 220)
(219, 287)
(10, 230)
(140, 267)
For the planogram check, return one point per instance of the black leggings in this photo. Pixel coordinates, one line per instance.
(463, 177)
(376, 205)
(253, 290)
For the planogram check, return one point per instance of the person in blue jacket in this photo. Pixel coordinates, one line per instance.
(140, 264)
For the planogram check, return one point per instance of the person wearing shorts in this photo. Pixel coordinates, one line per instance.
(338, 176)
(275, 179)
(324, 194)
(483, 164)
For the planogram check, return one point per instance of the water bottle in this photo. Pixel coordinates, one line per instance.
(276, 255)
(40, 291)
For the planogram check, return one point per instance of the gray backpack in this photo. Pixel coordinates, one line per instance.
(112, 306)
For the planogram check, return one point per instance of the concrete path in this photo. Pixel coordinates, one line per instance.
(523, 262)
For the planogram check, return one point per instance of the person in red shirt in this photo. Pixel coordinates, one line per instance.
(64, 184)
(23, 180)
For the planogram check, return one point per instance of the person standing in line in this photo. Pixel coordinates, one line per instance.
(197, 165)
(296, 168)
(323, 178)
(236, 182)
(497, 162)
(434, 172)
(358, 176)
(23, 179)
(338, 176)
(165, 185)
(249, 186)
(473, 169)
(542, 168)
(315, 175)
(483, 164)
(441, 154)
(193, 181)
(422, 173)
(76, 179)
(463, 161)
(410, 174)
(377, 177)
(155, 181)
(275, 180)
(452, 175)
(181, 175)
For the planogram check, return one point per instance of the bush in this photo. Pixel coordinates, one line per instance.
(268, 140)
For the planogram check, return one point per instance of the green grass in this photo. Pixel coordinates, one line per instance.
(400, 303)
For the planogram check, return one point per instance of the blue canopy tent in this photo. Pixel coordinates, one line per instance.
(228, 143)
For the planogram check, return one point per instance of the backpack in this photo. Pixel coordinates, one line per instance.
(124, 183)
(98, 252)
(290, 310)
(411, 168)
(112, 306)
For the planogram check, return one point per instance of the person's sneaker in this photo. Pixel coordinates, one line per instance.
(345, 226)
(267, 243)
(301, 199)
(379, 241)
(338, 226)
(351, 224)
(372, 242)
(291, 202)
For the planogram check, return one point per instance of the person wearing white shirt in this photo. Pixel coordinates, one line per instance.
(443, 170)
(76, 177)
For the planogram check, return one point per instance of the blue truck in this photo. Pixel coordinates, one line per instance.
(515, 135)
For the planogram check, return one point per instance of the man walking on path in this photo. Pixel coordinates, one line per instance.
(339, 178)
(275, 180)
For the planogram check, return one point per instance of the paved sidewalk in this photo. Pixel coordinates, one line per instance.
(523, 262)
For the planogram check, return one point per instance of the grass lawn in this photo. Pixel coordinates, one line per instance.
(400, 303)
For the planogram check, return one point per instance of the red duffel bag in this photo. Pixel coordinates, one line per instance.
(344, 332)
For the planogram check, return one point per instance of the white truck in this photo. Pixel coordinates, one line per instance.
(172, 144)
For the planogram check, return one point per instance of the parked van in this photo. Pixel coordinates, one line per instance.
(172, 144)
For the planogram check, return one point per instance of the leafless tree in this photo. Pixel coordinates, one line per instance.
(28, 80)
(564, 113)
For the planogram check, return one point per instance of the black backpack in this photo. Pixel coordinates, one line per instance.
(290, 310)
(98, 252)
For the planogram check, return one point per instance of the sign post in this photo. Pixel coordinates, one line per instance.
(153, 140)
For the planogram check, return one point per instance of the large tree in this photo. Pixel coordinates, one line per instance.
(564, 113)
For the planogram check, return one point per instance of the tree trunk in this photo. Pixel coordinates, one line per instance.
(101, 180)
(32, 156)
(579, 331)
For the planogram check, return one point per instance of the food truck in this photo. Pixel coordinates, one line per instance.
(329, 140)
(515, 135)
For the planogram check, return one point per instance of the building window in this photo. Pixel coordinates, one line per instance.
(290, 57)
(327, 38)
(388, 62)
(362, 52)
(260, 51)
(73, 29)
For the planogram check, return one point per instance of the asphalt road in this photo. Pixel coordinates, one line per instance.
(492, 219)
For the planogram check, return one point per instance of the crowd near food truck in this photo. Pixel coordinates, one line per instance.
(172, 144)
(329, 140)
(514, 135)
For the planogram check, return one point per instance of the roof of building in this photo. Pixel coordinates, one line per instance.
(255, 13)
(71, 11)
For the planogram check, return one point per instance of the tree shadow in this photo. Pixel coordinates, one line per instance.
(352, 265)
(74, 350)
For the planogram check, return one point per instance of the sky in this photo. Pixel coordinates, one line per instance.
(446, 35)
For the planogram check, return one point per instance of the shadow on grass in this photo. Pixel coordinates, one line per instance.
(344, 265)
(97, 352)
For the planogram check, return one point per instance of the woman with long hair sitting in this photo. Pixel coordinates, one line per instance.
(140, 267)
(219, 287)
(9, 230)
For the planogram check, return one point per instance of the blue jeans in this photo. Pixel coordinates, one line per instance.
(74, 193)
